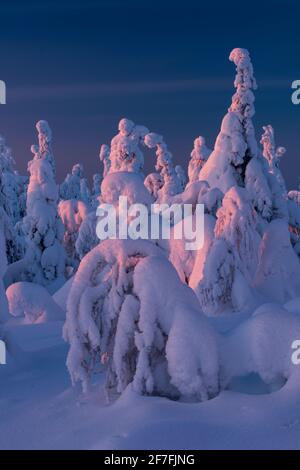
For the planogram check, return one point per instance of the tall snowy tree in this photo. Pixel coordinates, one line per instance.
(235, 159)
(44, 230)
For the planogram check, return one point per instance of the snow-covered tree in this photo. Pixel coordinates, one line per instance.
(235, 159)
(278, 273)
(44, 149)
(3, 265)
(273, 155)
(11, 201)
(181, 176)
(154, 182)
(87, 238)
(225, 276)
(199, 156)
(125, 152)
(104, 158)
(45, 255)
(155, 339)
(72, 213)
(75, 185)
(164, 164)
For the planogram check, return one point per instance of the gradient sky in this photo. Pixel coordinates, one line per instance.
(164, 64)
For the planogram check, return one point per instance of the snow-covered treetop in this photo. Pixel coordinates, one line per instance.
(125, 153)
(243, 100)
(104, 158)
(45, 143)
(244, 82)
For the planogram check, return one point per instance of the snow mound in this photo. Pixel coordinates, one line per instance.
(32, 302)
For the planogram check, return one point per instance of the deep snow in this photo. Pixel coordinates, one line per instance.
(40, 410)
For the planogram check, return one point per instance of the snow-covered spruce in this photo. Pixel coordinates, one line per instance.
(86, 238)
(125, 152)
(273, 155)
(199, 156)
(72, 213)
(155, 339)
(3, 265)
(104, 158)
(45, 255)
(44, 149)
(278, 273)
(96, 191)
(235, 159)
(11, 202)
(181, 177)
(75, 185)
(164, 164)
(224, 271)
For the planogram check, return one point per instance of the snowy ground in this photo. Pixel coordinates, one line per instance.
(40, 409)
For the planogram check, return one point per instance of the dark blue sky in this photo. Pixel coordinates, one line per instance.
(84, 65)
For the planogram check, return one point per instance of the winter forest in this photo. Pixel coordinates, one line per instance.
(141, 343)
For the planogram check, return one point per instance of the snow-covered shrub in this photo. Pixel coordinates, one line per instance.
(278, 273)
(199, 156)
(125, 152)
(155, 339)
(44, 230)
(33, 303)
(72, 213)
(104, 158)
(164, 164)
(154, 182)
